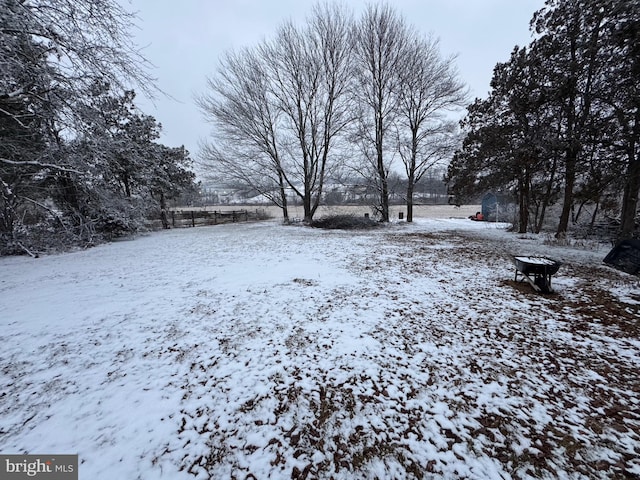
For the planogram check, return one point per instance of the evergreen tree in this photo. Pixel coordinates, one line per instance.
(53, 53)
(570, 42)
(619, 96)
(562, 118)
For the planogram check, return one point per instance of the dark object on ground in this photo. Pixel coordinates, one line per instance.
(344, 222)
(625, 256)
(537, 271)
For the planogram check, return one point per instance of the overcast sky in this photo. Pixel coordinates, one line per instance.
(185, 39)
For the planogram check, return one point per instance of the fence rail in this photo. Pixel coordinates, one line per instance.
(193, 218)
(196, 217)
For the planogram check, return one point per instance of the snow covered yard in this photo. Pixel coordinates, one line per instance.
(265, 351)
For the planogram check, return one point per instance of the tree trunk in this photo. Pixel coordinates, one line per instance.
(411, 172)
(318, 195)
(382, 173)
(547, 197)
(569, 182)
(384, 198)
(594, 215)
(523, 202)
(283, 197)
(306, 203)
(410, 188)
(630, 197)
(127, 186)
(384, 183)
(163, 212)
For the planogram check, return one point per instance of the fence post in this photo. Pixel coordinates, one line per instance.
(193, 219)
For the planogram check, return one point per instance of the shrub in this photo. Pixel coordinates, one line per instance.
(344, 222)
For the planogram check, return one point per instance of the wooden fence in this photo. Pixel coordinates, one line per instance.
(197, 218)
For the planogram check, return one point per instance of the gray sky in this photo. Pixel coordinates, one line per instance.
(185, 39)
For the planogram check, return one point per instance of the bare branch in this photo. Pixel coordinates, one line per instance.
(33, 163)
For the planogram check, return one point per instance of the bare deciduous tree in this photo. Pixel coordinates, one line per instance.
(330, 111)
(429, 87)
(244, 114)
(278, 109)
(379, 52)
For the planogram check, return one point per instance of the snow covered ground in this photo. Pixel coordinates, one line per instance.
(264, 351)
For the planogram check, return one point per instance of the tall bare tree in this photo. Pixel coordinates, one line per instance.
(328, 108)
(279, 109)
(429, 88)
(379, 51)
(247, 124)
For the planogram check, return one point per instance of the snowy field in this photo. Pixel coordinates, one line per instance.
(297, 211)
(257, 351)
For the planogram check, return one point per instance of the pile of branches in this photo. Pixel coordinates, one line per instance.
(344, 222)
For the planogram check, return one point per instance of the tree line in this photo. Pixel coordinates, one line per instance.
(79, 163)
(336, 94)
(561, 125)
